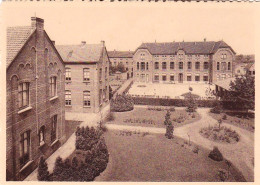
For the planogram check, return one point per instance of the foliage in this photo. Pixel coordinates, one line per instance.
(217, 109)
(120, 67)
(243, 91)
(189, 94)
(191, 104)
(224, 117)
(220, 134)
(110, 116)
(43, 173)
(222, 174)
(90, 160)
(215, 154)
(122, 103)
(169, 126)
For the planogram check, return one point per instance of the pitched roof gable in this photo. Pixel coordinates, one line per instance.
(120, 54)
(170, 48)
(80, 53)
(16, 38)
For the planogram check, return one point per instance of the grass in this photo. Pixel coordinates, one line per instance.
(143, 117)
(245, 123)
(70, 127)
(155, 158)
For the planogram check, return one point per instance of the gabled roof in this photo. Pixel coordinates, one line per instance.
(80, 53)
(170, 48)
(120, 54)
(16, 38)
(225, 83)
(250, 66)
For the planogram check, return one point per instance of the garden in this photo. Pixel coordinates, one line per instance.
(152, 116)
(137, 156)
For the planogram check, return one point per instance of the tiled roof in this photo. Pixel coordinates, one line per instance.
(250, 66)
(120, 54)
(80, 53)
(16, 38)
(169, 48)
(225, 83)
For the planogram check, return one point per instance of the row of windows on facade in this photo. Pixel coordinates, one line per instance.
(180, 56)
(164, 77)
(24, 90)
(145, 66)
(86, 74)
(25, 141)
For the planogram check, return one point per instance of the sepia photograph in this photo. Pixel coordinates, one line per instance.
(129, 92)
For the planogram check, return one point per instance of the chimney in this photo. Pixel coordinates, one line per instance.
(103, 43)
(83, 43)
(53, 42)
(205, 39)
(37, 23)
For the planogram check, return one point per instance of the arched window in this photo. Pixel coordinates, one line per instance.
(42, 135)
(229, 66)
(217, 65)
(25, 142)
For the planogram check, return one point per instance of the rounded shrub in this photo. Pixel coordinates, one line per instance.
(215, 154)
(122, 103)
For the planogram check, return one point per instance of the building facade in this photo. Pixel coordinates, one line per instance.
(122, 57)
(86, 77)
(183, 62)
(35, 98)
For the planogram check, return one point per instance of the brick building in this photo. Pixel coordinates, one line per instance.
(122, 57)
(86, 77)
(183, 62)
(35, 98)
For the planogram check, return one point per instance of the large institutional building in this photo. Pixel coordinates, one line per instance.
(86, 77)
(122, 57)
(35, 113)
(178, 62)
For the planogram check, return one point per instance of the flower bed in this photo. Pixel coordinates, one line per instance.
(220, 134)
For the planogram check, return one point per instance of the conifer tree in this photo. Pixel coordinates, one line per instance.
(43, 173)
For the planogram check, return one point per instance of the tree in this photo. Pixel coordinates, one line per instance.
(43, 173)
(169, 126)
(121, 68)
(242, 90)
(58, 169)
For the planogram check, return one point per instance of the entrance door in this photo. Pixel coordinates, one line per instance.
(180, 78)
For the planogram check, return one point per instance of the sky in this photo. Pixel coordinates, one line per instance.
(125, 26)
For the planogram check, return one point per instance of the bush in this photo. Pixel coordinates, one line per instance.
(171, 109)
(224, 117)
(169, 126)
(217, 109)
(122, 103)
(223, 175)
(215, 154)
(43, 173)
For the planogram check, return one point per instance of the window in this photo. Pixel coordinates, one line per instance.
(86, 99)
(164, 65)
(197, 65)
(171, 65)
(223, 56)
(206, 65)
(218, 66)
(25, 148)
(54, 128)
(218, 77)
(86, 74)
(106, 72)
(205, 78)
(164, 77)
(147, 66)
(180, 65)
(53, 86)
(172, 77)
(23, 91)
(142, 65)
(67, 97)
(156, 77)
(100, 74)
(189, 78)
(197, 78)
(229, 66)
(42, 136)
(189, 65)
(100, 96)
(137, 65)
(67, 74)
(156, 65)
(206, 56)
(223, 66)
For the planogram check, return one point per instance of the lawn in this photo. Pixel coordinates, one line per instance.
(247, 123)
(139, 157)
(141, 116)
(70, 127)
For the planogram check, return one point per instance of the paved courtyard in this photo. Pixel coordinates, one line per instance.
(170, 90)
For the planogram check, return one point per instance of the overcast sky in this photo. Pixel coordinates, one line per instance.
(125, 26)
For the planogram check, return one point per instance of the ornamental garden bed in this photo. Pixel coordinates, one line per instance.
(220, 134)
(153, 157)
(242, 120)
(153, 117)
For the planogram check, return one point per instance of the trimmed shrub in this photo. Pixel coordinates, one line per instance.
(215, 154)
(122, 103)
(169, 126)
(43, 173)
